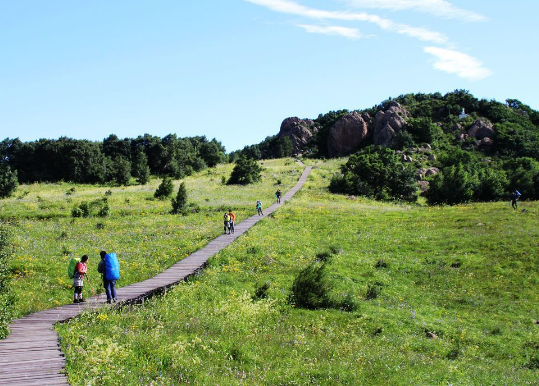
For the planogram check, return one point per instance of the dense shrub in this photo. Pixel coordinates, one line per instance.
(311, 288)
(376, 172)
(179, 203)
(8, 180)
(246, 171)
(454, 185)
(164, 189)
(83, 210)
(6, 300)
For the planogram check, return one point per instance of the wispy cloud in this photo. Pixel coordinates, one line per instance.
(455, 62)
(293, 8)
(439, 8)
(352, 33)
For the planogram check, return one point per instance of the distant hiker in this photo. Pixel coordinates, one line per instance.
(259, 207)
(278, 196)
(78, 279)
(226, 222)
(232, 220)
(110, 285)
(515, 195)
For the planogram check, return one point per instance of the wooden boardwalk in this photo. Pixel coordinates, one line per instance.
(31, 354)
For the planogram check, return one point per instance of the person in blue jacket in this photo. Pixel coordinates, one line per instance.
(515, 195)
(110, 285)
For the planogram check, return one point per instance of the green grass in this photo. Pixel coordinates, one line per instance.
(139, 229)
(466, 276)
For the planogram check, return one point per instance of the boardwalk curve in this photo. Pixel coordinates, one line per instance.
(31, 354)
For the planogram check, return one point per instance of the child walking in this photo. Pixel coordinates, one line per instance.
(78, 279)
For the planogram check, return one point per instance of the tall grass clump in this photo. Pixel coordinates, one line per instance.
(5, 281)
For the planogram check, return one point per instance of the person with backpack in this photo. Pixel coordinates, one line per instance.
(515, 195)
(226, 222)
(78, 279)
(110, 285)
(232, 221)
(278, 196)
(259, 207)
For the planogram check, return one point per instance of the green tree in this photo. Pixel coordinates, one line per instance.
(121, 171)
(453, 185)
(212, 153)
(376, 172)
(164, 189)
(246, 171)
(141, 170)
(523, 174)
(8, 180)
(180, 202)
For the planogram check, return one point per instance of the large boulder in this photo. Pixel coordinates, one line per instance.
(347, 133)
(481, 129)
(300, 131)
(388, 123)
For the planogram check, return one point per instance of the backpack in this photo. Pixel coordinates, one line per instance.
(71, 266)
(112, 267)
(227, 217)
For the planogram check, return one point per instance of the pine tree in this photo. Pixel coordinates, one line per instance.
(164, 189)
(180, 202)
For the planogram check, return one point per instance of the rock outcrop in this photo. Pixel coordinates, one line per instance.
(481, 129)
(300, 131)
(347, 133)
(387, 124)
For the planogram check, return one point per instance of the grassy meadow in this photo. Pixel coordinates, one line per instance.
(139, 228)
(441, 295)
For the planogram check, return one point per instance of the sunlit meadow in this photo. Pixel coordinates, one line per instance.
(456, 303)
(139, 228)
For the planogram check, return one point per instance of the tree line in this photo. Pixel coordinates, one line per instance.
(113, 160)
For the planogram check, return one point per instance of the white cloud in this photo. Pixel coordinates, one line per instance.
(290, 7)
(352, 33)
(439, 8)
(455, 62)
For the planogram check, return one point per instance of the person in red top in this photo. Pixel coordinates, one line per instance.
(232, 220)
(78, 279)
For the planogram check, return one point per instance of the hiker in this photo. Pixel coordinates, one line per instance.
(110, 285)
(278, 196)
(232, 220)
(515, 195)
(226, 222)
(78, 279)
(259, 207)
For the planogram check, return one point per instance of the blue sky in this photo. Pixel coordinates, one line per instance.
(234, 69)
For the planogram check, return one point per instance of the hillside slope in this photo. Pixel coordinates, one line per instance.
(442, 295)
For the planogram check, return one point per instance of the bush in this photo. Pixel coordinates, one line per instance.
(454, 185)
(376, 172)
(6, 301)
(261, 290)
(246, 171)
(311, 288)
(373, 291)
(83, 210)
(76, 212)
(164, 189)
(8, 180)
(180, 202)
(104, 211)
